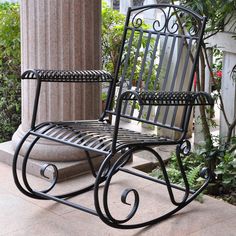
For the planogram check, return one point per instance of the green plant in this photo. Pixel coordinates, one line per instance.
(192, 165)
(226, 168)
(219, 14)
(104, 96)
(112, 31)
(224, 184)
(9, 70)
(217, 69)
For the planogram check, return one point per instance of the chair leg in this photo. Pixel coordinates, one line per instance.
(24, 190)
(105, 175)
(23, 183)
(101, 200)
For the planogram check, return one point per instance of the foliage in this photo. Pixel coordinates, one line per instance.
(217, 69)
(112, 31)
(192, 165)
(224, 185)
(9, 69)
(218, 12)
(226, 169)
(104, 96)
(112, 35)
(145, 68)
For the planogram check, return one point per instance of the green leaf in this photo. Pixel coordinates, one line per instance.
(10, 86)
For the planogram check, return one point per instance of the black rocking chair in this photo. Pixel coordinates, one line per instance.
(152, 84)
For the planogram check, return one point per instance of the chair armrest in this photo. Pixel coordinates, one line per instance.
(68, 75)
(169, 98)
(158, 99)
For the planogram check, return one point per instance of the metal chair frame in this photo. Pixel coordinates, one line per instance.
(160, 84)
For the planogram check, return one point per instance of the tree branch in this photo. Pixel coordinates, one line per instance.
(219, 94)
(230, 131)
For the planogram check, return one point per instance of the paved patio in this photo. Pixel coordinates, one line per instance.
(20, 215)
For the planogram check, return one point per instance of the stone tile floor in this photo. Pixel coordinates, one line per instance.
(20, 215)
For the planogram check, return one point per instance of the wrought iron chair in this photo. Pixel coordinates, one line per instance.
(152, 84)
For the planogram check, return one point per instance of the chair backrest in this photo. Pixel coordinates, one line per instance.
(159, 52)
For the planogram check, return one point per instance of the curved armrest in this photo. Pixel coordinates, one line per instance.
(161, 98)
(62, 76)
(68, 75)
(169, 98)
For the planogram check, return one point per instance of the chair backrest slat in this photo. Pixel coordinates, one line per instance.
(159, 53)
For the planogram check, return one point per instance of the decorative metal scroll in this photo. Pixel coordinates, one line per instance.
(233, 73)
(169, 19)
(103, 207)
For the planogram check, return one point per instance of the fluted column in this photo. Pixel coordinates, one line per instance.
(59, 34)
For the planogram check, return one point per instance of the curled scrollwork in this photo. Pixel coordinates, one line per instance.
(124, 196)
(169, 19)
(107, 216)
(157, 26)
(137, 22)
(173, 27)
(183, 22)
(115, 168)
(185, 147)
(205, 173)
(43, 170)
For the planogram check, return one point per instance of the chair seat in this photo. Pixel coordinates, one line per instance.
(92, 135)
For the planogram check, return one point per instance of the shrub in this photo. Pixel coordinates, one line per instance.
(192, 165)
(10, 104)
(112, 31)
(223, 186)
(112, 35)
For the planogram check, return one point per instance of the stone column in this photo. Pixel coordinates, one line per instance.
(226, 42)
(228, 84)
(59, 34)
(228, 87)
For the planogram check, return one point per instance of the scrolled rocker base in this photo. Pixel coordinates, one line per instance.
(152, 84)
(103, 181)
